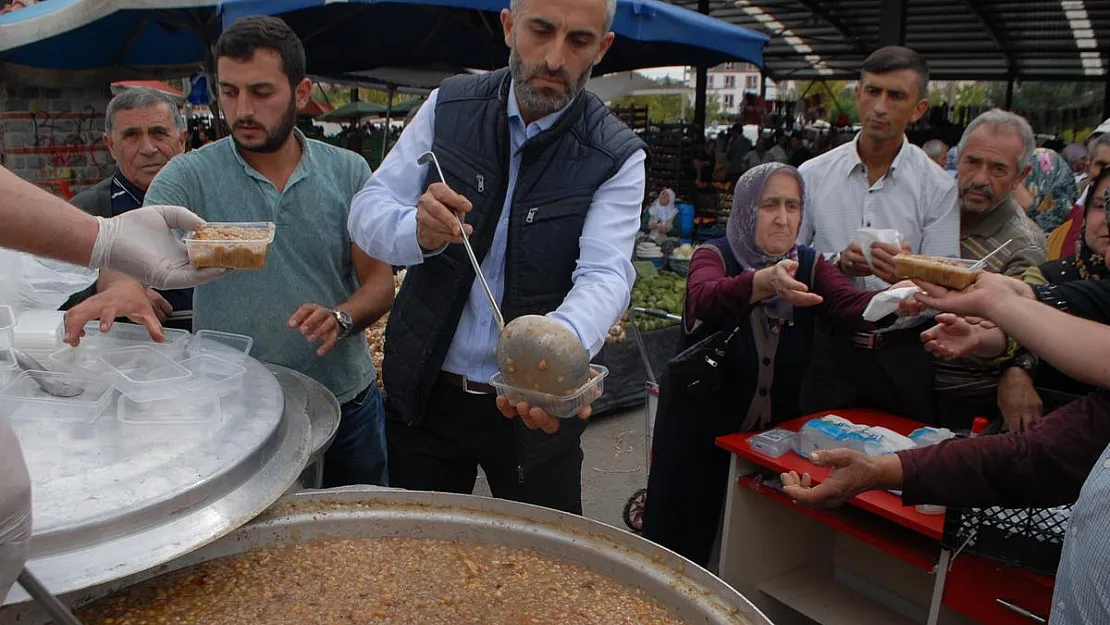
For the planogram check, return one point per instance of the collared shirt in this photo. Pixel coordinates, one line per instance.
(309, 261)
(1006, 222)
(127, 197)
(383, 222)
(915, 197)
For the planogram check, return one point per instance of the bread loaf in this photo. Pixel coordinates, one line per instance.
(942, 271)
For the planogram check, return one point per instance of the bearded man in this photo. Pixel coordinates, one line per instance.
(551, 186)
(307, 307)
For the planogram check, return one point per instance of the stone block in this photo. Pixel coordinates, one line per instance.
(18, 125)
(51, 94)
(61, 106)
(17, 162)
(15, 139)
(17, 105)
(30, 93)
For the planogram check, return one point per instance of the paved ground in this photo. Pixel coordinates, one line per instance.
(614, 467)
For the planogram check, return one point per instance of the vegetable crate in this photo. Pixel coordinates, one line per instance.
(1032, 538)
(634, 508)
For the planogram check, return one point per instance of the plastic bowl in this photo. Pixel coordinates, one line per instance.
(23, 398)
(144, 374)
(131, 335)
(213, 377)
(224, 345)
(565, 406)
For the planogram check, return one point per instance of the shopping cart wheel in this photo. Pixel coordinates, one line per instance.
(634, 510)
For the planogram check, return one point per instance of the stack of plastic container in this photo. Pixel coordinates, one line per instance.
(8, 368)
(178, 381)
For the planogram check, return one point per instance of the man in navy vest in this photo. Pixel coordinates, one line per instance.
(552, 185)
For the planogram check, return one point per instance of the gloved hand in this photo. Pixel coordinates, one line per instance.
(15, 509)
(140, 244)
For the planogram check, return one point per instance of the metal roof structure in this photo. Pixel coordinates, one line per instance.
(995, 40)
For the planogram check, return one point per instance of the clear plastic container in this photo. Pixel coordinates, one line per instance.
(230, 347)
(7, 327)
(213, 377)
(144, 374)
(132, 334)
(39, 331)
(773, 443)
(230, 245)
(84, 359)
(23, 398)
(9, 368)
(562, 406)
(179, 410)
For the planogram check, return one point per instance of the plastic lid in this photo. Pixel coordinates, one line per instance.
(979, 424)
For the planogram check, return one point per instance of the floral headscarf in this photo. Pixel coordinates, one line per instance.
(1053, 187)
(741, 227)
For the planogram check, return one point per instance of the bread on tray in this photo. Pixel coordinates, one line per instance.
(943, 271)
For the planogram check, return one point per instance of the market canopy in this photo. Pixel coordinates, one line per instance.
(1051, 40)
(343, 36)
(93, 34)
(363, 110)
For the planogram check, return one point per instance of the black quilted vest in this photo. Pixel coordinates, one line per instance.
(560, 170)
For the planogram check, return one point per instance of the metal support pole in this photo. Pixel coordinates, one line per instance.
(892, 23)
(1106, 98)
(701, 86)
(762, 84)
(1009, 94)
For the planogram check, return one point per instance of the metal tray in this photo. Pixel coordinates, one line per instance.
(695, 594)
(112, 499)
(314, 400)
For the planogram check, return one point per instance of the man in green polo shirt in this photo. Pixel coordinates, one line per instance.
(307, 307)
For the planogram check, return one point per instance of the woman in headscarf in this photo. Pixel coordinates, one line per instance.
(1049, 192)
(743, 281)
(1044, 386)
(661, 215)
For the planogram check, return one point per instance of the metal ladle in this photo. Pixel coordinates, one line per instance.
(50, 386)
(533, 352)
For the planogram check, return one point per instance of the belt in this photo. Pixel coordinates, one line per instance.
(467, 386)
(881, 340)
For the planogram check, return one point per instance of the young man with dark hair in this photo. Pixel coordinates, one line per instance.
(879, 180)
(315, 282)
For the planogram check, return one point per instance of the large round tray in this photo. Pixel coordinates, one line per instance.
(112, 499)
(316, 401)
(698, 596)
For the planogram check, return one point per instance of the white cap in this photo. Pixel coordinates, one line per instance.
(1103, 128)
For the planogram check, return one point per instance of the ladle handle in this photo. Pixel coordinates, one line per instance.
(54, 608)
(481, 278)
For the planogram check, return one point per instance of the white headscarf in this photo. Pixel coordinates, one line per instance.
(663, 211)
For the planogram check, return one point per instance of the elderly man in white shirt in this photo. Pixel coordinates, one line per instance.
(879, 180)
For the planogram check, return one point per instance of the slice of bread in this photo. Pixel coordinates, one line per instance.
(942, 271)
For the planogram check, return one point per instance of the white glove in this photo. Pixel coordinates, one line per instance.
(139, 243)
(15, 509)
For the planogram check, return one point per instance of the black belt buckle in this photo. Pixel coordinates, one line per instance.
(867, 340)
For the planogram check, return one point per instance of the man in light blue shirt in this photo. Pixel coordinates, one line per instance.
(307, 307)
(552, 186)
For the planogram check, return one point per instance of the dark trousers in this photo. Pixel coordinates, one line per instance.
(461, 432)
(357, 454)
(896, 379)
(687, 481)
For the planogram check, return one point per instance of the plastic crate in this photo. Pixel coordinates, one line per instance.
(1032, 538)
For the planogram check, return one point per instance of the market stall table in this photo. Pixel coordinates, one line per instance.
(870, 561)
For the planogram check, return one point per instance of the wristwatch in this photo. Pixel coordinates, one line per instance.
(345, 322)
(1024, 360)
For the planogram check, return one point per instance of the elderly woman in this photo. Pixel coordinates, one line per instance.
(758, 281)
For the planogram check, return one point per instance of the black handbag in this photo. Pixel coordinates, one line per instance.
(697, 371)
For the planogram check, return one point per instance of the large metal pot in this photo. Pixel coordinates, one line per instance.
(694, 593)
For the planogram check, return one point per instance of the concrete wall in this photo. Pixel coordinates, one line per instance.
(53, 135)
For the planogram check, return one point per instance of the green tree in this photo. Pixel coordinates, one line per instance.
(668, 108)
(837, 96)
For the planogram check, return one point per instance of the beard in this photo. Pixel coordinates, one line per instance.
(992, 201)
(544, 101)
(275, 138)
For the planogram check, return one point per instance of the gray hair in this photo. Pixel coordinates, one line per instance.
(134, 98)
(1095, 142)
(610, 11)
(935, 148)
(999, 119)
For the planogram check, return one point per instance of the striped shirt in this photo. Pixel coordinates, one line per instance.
(1007, 222)
(1082, 595)
(915, 197)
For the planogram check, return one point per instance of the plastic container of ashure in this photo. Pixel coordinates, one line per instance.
(144, 374)
(562, 406)
(131, 335)
(230, 347)
(24, 398)
(230, 245)
(773, 443)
